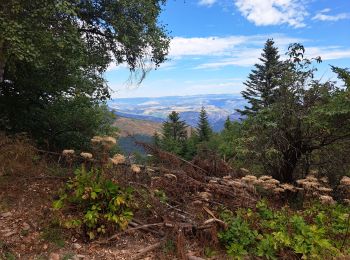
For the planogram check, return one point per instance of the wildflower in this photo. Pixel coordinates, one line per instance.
(265, 177)
(287, 186)
(324, 189)
(278, 190)
(118, 159)
(135, 168)
(249, 178)
(86, 155)
(68, 152)
(311, 178)
(96, 140)
(345, 181)
(325, 199)
(109, 141)
(272, 181)
(324, 179)
(236, 184)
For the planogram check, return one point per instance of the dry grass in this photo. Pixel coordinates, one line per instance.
(18, 156)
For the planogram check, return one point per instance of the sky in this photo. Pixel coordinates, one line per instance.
(215, 43)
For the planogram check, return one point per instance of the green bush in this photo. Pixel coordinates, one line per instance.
(99, 204)
(317, 232)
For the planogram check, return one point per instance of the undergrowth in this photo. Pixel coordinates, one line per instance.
(101, 205)
(318, 232)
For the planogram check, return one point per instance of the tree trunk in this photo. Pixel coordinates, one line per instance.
(287, 169)
(2, 61)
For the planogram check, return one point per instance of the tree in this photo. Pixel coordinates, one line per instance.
(53, 52)
(308, 117)
(174, 134)
(203, 128)
(228, 139)
(263, 80)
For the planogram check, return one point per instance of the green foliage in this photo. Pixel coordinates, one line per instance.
(161, 195)
(102, 205)
(305, 119)
(318, 232)
(204, 130)
(263, 80)
(174, 134)
(53, 55)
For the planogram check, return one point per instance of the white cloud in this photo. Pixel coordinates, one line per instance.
(328, 52)
(225, 51)
(248, 57)
(322, 16)
(273, 12)
(236, 50)
(204, 46)
(207, 2)
(221, 46)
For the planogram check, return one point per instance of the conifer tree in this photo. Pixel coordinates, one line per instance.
(174, 128)
(174, 134)
(263, 80)
(204, 130)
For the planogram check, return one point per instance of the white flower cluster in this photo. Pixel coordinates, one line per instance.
(105, 141)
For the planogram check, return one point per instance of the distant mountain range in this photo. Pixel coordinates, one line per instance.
(156, 109)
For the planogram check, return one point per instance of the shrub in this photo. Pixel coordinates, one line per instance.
(102, 206)
(318, 232)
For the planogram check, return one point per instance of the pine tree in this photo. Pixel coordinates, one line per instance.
(204, 130)
(263, 80)
(174, 128)
(174, 134)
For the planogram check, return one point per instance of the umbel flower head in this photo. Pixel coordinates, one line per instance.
(106, 141)
(86, 156)
(135, 168)
(68, 152)
(118, 159)
(345, 181)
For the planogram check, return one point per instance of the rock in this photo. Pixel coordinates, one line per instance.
(54, 256)
(77, 246)
(81, 256)
(6, 214)
(213, 182)
(45, 246)
(228, 177)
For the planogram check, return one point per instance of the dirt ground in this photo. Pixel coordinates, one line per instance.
(28, 232)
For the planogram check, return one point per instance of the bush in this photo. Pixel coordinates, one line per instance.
(101, 205)
(318, 232)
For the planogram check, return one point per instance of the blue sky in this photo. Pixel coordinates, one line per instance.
(215, 43)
